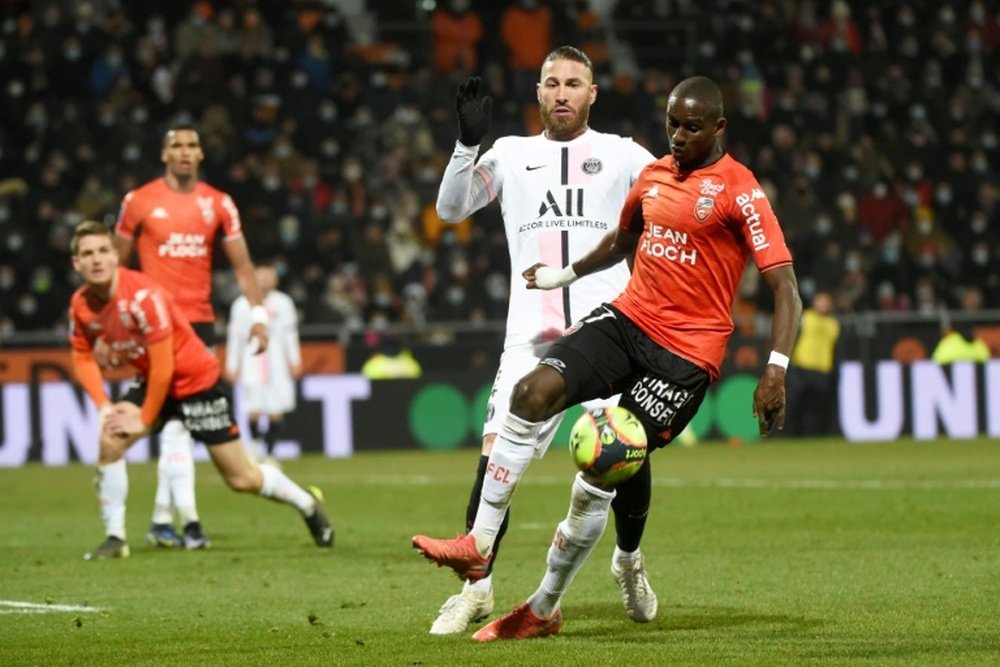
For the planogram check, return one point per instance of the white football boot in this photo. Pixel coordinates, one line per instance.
(637, 595)
(461, 609)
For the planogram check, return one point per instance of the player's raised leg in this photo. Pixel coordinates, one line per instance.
(475, 601)
(574, 539)
(469, 555)
(244, 476)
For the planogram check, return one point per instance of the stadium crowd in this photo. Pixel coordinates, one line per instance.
(871, 124)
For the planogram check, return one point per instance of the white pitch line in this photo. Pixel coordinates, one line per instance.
(723, 482)
(18, 607)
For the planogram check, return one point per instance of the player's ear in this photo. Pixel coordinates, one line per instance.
(593, 93)
(720, 127)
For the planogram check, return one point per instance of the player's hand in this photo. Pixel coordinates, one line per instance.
(474, 111)
(123, 420)
(543, 276)
(258, 333)
(769, 399)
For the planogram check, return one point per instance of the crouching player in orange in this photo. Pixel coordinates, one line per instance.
(178, 378)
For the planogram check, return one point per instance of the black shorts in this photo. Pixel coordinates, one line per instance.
(206, 332)
(606, 354)
(207, 415)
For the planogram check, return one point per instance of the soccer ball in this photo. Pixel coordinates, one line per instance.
(608, 445)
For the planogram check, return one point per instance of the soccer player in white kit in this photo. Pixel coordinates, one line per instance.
(560, 193)
(266, 380)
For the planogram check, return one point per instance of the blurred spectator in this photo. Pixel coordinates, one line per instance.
(811, 386)
(456, 32)
(389, 359)
(526, 30)
(881, 212)
(314, 130)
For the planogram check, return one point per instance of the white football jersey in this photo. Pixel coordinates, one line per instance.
(272, 366)
(559, 199)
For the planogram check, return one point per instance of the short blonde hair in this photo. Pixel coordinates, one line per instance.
(88, 228)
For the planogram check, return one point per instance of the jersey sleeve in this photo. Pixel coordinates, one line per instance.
(128, 216)
(751, 211)
(232, 227)
(467, 186)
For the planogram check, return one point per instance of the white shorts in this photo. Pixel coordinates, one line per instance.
(267, 399)
(516, 362)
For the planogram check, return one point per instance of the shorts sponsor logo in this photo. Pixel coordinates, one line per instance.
(658, 399)
(207, 415)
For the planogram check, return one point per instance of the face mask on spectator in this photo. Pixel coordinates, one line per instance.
(925, 226)
(943, 196)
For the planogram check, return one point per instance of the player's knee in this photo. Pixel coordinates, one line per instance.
(538, 395)
(241, 481)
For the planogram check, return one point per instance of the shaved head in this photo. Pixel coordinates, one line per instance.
(703, 90)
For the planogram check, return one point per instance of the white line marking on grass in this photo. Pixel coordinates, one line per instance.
(18, 607)
(723, 482)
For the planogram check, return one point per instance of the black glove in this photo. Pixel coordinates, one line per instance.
(474, 112)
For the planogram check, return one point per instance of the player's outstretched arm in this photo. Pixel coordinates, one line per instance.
(769, 397)
(239, 258)
(613, 248)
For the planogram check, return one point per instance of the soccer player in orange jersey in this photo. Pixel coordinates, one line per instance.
(179, 379)
(691, 221)
(173, 222)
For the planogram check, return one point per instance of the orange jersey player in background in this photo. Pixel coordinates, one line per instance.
(173, 223)
(179, 378)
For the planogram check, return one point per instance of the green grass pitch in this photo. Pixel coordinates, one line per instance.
(777, 553)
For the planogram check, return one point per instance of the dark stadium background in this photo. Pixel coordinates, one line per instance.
(872, 126)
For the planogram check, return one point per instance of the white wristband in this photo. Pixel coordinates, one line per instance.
(778, 359)
(258, 315)
(547, 277)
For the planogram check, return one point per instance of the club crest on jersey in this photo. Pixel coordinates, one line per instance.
(207, 209)
(703, 208)
(592, 166)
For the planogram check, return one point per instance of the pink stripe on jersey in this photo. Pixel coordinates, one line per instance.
(578, 154)
(488, 180)
(553, 316)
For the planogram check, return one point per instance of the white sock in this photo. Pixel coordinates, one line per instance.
(277, 486)
(484, 586)
(112, 491)
(177, 466)
(625, 558)
(163, 507)
(576, 536)
(512, 452)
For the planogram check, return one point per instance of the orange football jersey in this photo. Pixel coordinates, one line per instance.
(176, 234)
(699, 227)
(141, 312)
